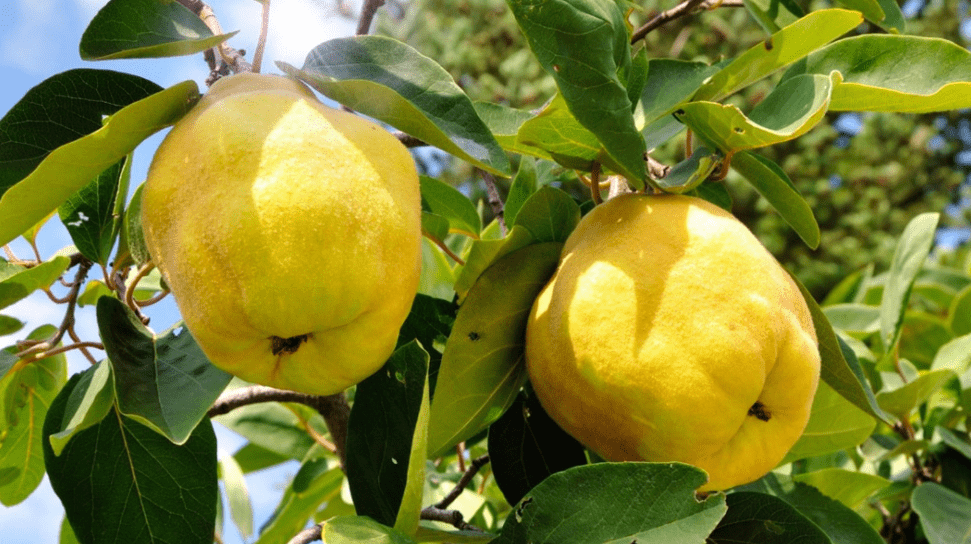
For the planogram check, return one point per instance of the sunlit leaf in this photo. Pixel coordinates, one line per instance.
(16, 282)
(943, 514)
(847, 486)
(835, 424)
(240, 508)
(449, 203)
(356, 529)
(775, 186)
(89, 402)
(902, 401)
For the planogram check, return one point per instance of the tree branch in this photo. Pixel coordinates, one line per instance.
(495, 201)
(368, 11)
(308, 535)
(688, 7)
(333, 408)
(463, 482)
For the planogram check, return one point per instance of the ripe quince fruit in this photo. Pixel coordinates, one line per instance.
(289, 233)
(669, 333)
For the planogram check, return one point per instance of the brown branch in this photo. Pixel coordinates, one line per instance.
(495, 201)
(688, 7)
(261, 43)
(408, 140)
(333, 408)
(67, 322)
(464, 481)
(368, 11)
(452, 517)
(308, 535)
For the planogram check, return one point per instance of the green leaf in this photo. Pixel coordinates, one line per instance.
(9, 325)
(357, 529)
(67, 535)
(428, 534)
(670, 83)
(484, 253)
(89, 402)
(902, 402)
(146, 29)
(526, 446)
(691, 172)
(584, 45)
(252, 458)
(449, 203)
(297, 506)
(504, 123)
(25, 398)
(757, 518)
(954, 441)
(132, 237)
(772, 15)
(775, 186)
(522, 187)
(840, 368)
(615, 503)
(240, 509)
(840, 523)
(959, 313)
(437, 277)
(789, 111)
(787, 46)
(385, 422)
(921, 336)
(18, 282)
(141, 483)
(164, 382)
(409, 513)
(83, 150)
(908, 258)
(852, 318)
(389, 81)
(943, 514)
(885, 13)
(955, 355)
(835, 424)
(92, 216)
(483, 363)
(938, 73)
(550, 215)
(271, 426)
(847, 486)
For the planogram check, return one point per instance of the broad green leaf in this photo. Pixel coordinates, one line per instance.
(67, 535)
(772, 15)
(584, 45)
(847, 486)
(757, 518)
(409, 513)
(449, 203)
(550, 215)
(670, 82)
(938, 73)
(25, 398)
(270, 425)
(428, 534)
(954, 441)
(902, 402)
(846, 289)
(9, 325)
(240, 508)
(691, 172)
(385, 422)
(789, 111)
(611, 502)
(853, 318)
(835, 424)
(146, 29)
(93, 215)
(296, 507)
(357, 529)
(526, 446)
(959, 313)
(522, 187)
(955, 355)
(943, 514)
(483, 363)
(390, 81)
(89, 402)
(884, 13)
(775, 186)
(430, 322)
(921, 337)
(788, 45)
(504, 122)
(908, 258)
(840, 523)
(437, 274)
(434, 227)
(142, 483)
(165, 382)
(69, 167)
(18, 282)
(483, 253)
(840, 368)
(252, 458)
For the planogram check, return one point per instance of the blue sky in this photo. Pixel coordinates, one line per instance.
(39, 38)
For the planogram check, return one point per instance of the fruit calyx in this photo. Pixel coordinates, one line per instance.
(758, 410)
(287, 346)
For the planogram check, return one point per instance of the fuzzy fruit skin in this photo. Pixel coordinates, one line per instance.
(665, 323)
(272, 215)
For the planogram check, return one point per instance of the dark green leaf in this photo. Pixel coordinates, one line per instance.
(132, 237)
(615, 503)
(483, 364)
(446, 201)
(145, 487)
(714, 192)
(959, 445)
(55, 137)
(9, 325)
(943, 514)
(691, 172)
(775, 186)
(772, 15)
(165, 382)
(584, 45)
(526, 446)
(146, 29)
(17, 282)
(671, 82)
(550, 215)
(430, 322)
(757, 518)
(522, 187)
(380, 433)
(392, 82)
(90, 401)
(92, 216)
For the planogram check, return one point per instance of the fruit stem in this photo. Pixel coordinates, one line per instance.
(261, 44)
(595, 183)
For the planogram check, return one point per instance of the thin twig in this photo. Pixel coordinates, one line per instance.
(444, 247)
(408, 140)
(495, 201)
(464, 481)
(68, 320)
(368, 10)
(84, 350)
(452, 517)
(155, 298)
(688, 7)
(130, 294)
(308, 535)
(595, 183)
(264, 30)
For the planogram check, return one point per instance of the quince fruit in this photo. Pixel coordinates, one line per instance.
(289, 233)
(669, 333)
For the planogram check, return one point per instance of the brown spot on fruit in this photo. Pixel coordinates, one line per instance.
(287, 345)
(758, 410)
